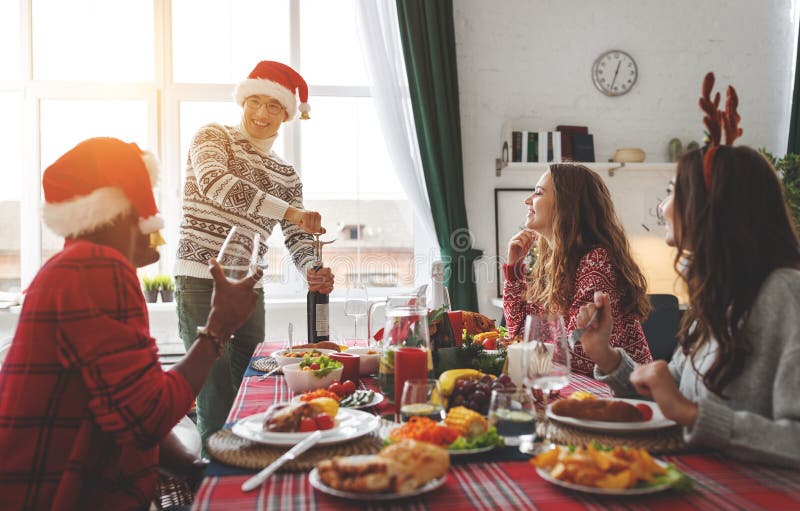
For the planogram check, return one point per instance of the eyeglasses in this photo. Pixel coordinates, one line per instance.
(255, 105)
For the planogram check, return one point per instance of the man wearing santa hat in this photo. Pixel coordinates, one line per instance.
(234, 178)
(84, 403)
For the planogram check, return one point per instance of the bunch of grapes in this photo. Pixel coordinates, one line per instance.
(475, 394)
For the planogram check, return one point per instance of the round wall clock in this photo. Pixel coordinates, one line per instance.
(614, 73)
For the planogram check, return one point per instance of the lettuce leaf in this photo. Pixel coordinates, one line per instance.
(487, 439)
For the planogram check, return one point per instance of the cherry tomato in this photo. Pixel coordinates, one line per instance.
(324, 421)
(647, 412)
(348, 387)
(314, 366)
(490, 343)
(336, 388)
(308, 424)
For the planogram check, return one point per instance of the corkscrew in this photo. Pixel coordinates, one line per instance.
(317, 244)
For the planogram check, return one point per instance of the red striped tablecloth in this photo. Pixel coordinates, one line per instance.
(720, 483)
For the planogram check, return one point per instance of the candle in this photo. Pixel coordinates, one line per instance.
(351, 363)
(409, 364)
(457, 322)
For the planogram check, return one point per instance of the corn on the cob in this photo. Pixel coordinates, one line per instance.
(469, 423)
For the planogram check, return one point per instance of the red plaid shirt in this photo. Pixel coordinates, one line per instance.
(595, 273)
(83, 399)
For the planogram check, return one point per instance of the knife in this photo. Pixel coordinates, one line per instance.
(256, 481)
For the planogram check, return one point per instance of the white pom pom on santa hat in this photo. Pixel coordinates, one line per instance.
(278, 81)
(97, 181)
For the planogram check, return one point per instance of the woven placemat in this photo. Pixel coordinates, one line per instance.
(265, 364)
(228, 448)
(660, 441)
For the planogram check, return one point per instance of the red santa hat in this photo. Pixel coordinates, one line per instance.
(279, 81)
(97, 181)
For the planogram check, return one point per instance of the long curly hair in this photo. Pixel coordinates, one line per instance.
(583, 219)
(729, 240)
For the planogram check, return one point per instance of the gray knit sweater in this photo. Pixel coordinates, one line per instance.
(232, 179)
(760, 420)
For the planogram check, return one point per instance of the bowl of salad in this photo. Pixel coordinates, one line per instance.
(286, 357)
(312, 373)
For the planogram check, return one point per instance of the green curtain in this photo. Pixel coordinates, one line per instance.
(794, 123)
(428, 37)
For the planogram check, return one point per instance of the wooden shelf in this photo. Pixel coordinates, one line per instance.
(611, 167)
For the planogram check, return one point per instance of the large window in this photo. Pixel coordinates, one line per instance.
(153, 73)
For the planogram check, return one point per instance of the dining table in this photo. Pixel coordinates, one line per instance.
(493, 482)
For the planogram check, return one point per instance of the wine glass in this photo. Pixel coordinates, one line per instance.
(547, 359)
(355, 304)
(239, 255)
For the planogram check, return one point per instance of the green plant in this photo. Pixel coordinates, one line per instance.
(789, 169)
(164, 282)
(149, 283)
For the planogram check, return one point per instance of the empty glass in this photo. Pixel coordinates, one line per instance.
(547, 358)
(355, 304)
(239, 255)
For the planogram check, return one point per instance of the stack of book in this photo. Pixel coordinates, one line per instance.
(567, 143)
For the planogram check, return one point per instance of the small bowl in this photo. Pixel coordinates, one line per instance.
(369, 361)
(283, 360)
(303, 381)
(629, 155)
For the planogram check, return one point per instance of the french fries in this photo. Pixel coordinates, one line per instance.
(619, 468)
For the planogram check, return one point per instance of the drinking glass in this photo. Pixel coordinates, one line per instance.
(421, 398)
(355, 305)
(239, 255)
(513, 413)
(547, 359)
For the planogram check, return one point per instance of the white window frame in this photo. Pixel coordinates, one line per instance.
(163, 98)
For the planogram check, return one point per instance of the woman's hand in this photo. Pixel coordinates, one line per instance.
(320, 281)
(232, 302)
(596, 337)
(309, 221)
(655, 381)
(520, 245)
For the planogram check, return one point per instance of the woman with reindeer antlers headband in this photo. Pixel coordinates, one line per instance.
(734, 379)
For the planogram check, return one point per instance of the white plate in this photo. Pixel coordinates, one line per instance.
(350, 424)
(316, 482)
(467, 452)
(657, 421)
(376, 399)
(544, 474)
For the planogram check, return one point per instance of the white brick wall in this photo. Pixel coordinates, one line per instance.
(531, 60)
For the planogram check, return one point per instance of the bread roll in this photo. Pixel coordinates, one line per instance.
(422, 460)
(607, 410)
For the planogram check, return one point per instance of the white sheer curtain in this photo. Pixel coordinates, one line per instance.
(383, 54)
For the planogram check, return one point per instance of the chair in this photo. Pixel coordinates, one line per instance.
(661, 326)
(173, 492)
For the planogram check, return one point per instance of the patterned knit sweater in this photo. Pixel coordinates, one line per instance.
(595, 273)
(232, 179)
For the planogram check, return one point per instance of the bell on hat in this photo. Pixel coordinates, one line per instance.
(278, 81)
(96, 182)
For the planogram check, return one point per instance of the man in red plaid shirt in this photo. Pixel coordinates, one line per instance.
(84, 403)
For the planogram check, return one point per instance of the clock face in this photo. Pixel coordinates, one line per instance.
(614, 73)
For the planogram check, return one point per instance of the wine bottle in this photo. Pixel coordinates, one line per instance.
(318, 316)
(317, 312)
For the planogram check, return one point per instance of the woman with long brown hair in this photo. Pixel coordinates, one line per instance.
(734, 380)
(582, 248)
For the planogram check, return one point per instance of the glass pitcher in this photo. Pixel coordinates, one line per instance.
(406, 326)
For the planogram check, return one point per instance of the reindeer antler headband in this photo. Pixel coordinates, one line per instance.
(716, 121)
